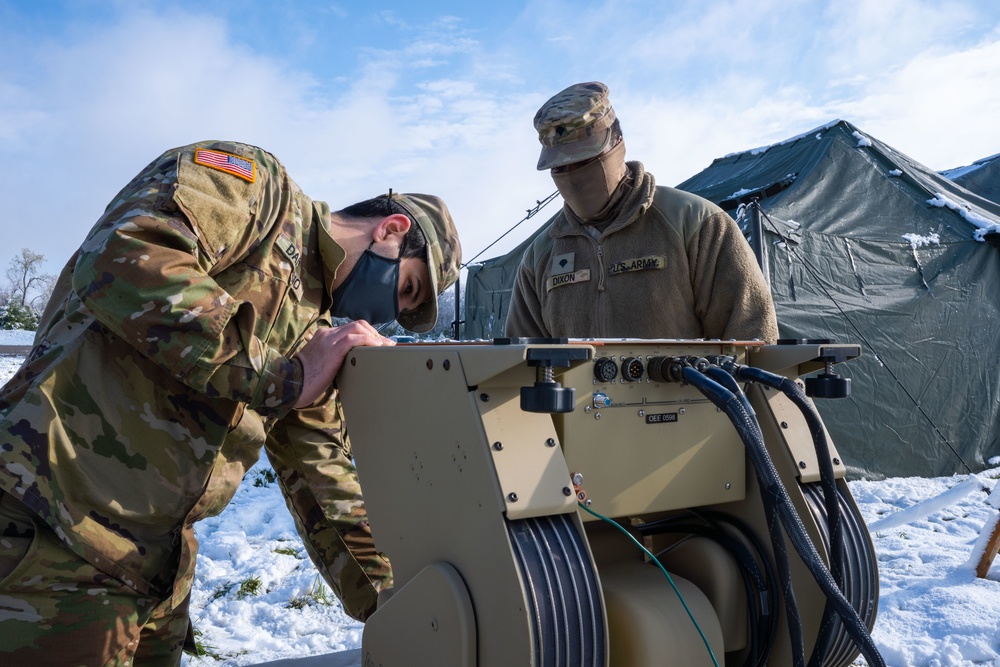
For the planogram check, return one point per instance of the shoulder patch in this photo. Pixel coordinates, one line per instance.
(227, 162)
(581, 276)
(638, 264)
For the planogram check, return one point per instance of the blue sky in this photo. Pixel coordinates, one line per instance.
(357, 97)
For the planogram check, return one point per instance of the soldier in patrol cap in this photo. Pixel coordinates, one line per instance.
(625, 258)
(194, 326)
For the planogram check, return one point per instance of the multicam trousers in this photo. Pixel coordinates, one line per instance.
(57, 609)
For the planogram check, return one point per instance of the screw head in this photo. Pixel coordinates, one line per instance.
(485, 398)
(567, 491)
(512, 497)
(498, 445)
(550, 442)
(802, 464)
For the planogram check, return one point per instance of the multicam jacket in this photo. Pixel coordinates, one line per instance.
(670, 265)
(164, 363)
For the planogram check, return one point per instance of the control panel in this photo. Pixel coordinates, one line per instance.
(642, 441)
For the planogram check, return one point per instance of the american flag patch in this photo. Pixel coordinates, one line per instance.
(227, 162)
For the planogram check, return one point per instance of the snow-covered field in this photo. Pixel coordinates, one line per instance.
(16, 337)
(258, 598)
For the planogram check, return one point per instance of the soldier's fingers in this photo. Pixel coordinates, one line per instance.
(355, 326)
(368, 329)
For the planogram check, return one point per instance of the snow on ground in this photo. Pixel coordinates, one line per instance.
(933, 610)
(258, 598)
(10, 363)
(289, 612)
(15, 337)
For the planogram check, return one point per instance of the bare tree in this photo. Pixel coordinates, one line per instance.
(26, 285)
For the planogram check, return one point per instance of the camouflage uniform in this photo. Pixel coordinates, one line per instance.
(665, 264)
(164, 363)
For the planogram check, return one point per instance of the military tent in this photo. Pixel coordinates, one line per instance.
(864, 245)
(981, 177)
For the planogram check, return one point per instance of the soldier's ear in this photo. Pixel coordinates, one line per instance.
(391, 226)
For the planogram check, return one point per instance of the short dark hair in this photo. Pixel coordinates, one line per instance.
(414, 243)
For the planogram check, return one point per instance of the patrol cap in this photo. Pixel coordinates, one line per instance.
(574, 125)
(444, 253)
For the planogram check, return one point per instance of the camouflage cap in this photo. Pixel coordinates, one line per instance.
(444, 253)
(574, 125)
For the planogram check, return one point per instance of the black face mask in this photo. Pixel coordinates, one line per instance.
(371, 290)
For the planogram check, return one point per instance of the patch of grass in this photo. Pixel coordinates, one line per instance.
(288, 551)
(222, 591)
(201, 649)
(249, 587)
(264, 477)
(318, 593)
(297, 602)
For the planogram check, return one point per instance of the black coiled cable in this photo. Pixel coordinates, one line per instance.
(756, 569)
(828, 483)
(776, 497)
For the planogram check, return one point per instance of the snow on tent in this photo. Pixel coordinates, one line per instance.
(981, 177)
(867, 246)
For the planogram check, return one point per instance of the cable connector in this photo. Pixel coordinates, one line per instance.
(581, 494)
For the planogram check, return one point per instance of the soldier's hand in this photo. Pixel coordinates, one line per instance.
(323, 355)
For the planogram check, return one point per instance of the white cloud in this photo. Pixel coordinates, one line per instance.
(940, 108)
(444, 104)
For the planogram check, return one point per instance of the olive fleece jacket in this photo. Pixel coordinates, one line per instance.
(670, 265)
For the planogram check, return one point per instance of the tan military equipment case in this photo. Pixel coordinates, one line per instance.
(475, 501)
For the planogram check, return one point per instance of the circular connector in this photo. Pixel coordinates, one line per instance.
(665, 369)
(605, 369)
(632, 369)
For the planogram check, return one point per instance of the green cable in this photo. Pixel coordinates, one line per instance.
(663, 570)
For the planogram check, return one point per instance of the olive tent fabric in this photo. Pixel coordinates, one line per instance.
(487, 291)
(864, 245)
(867, 245)
(981, 177)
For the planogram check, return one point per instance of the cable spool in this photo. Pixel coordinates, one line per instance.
(859, 569)
(563, 596)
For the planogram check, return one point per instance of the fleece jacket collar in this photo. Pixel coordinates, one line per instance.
(636, 202)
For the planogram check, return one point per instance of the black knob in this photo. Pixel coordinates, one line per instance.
(828, 385)
(548, 397)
